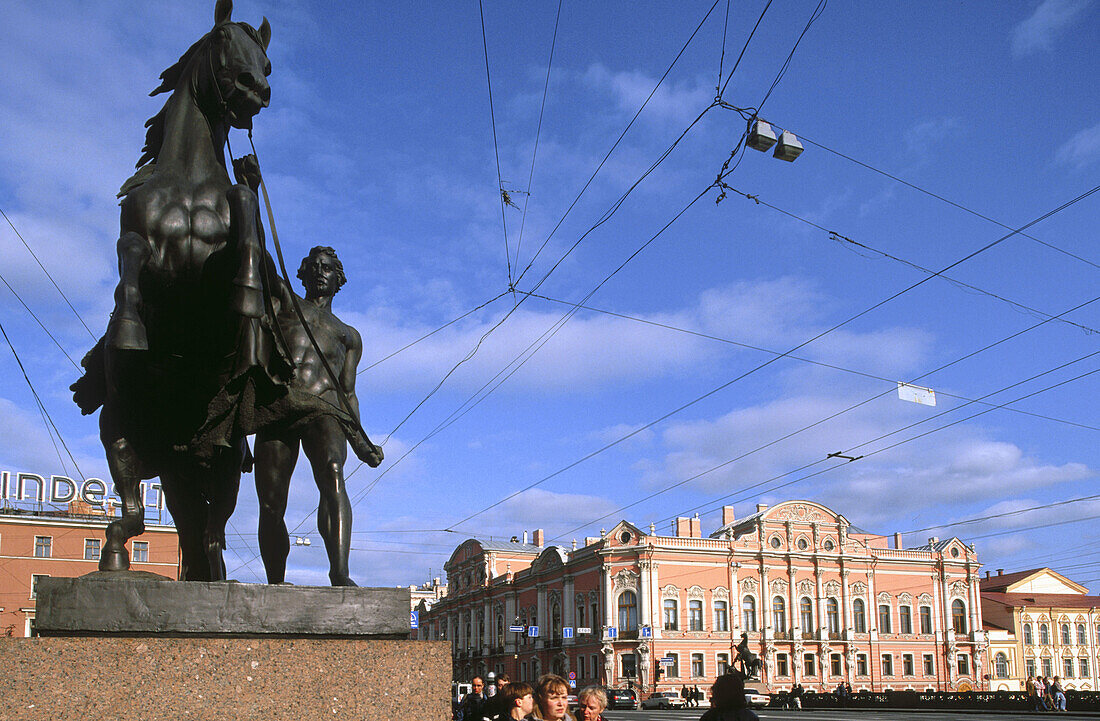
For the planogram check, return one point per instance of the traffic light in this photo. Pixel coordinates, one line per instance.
(660, 670)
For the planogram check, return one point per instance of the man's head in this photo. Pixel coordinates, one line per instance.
(503, 680)
(321, 268)
(479, 684)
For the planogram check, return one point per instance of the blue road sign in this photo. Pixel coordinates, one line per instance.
(515, 629)
(612, 632)
(567, 632)
(666, 661)
(532, 631)
(647, 632)
(414, 620)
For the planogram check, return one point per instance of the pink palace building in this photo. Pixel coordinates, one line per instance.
(821, 601)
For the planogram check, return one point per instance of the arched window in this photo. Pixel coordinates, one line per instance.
(500, 630)
(1082, 635)
(1000, 665)
(1044, 634)
(806, 614)
(958, 616)
(1028, 638)
(832, 615)
(905, 618)
(672, 614)
(1066, 638)
(628, 611)
(859, 616)
(748, 613)
(721, 616)
(779, 614)
(695, 615)
(884, 618)
(555, 620)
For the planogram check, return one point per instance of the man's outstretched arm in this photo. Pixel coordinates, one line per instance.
(364, 449)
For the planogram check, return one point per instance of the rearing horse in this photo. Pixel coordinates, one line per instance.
(189, 306)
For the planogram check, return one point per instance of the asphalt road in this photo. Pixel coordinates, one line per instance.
(842, 715)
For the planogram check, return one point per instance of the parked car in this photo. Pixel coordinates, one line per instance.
(573, 702)
(755, 699)
(663, 699)
(622, 698)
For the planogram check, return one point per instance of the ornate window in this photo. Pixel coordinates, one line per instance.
(1067, 667)
(1066, 638)
(721, 616)
(884, 618)
(859, 616)
(1082, 635)
(958, 616)
(500, 630)
(809, 668)
(905, 619)
(697, 665)
(776, 542)
(748, 613)
(1083, 667)
(926, 619)
(806, 614)
(628, 611)
(887, 665)
(672, 614)
(1028, 638)
(695, 617)
(832, 615)
(779, 614)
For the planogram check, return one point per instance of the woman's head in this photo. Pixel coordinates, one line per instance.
(552, 696)
(592, 701)
(519, 695)
(728, 692)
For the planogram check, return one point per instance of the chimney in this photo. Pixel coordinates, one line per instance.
(525, 538)
(728, 516)
(987, 574)
(696, 527)
(1000, 572)
(683, 527)
(539, 537)
(589, 540)
(933, 540)
(897, 541)
(761, 507)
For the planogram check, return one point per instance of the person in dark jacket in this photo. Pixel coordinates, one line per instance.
(473, 706)
(496, 706)
(519, 701)
(727, 700)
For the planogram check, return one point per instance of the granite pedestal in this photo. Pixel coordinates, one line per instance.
(141, 648)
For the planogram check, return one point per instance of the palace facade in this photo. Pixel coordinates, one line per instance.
(820, 601)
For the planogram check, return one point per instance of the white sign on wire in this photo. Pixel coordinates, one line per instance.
(916, 394)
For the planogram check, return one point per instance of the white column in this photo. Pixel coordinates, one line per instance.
(872, 607)
(644, 610)
(765, 603)
(605, 596)
(974, 604)
(735, 603)
(567, 609)
(541, 615)
(846, 602)
(487, 637)
(822, 626)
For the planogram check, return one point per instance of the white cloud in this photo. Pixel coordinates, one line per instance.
(1037, 32)
(677, 103)
(1082, 150)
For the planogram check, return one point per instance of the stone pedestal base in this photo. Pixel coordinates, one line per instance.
(223, 679)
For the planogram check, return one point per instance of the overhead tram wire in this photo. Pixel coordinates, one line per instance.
(802, 359)
(38, 400)
(704, 507)
(1004, 514)
(496, 149)
(767, 363)
(722, 86)
(939, 197)
(845, 240)
(54, 282)
(40, 323)
(538, 133)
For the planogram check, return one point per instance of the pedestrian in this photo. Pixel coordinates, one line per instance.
(1058, 694)
(473, 705)
(796, 697)
(592, 703)
(727, 700)
(552, 699)
(497, 706)
(519, 701)
(684, 695)
(698, 695)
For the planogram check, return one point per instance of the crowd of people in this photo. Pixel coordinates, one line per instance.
(548, 700)
(1046, 694)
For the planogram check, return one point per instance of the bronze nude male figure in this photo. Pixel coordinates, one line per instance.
(322, 428)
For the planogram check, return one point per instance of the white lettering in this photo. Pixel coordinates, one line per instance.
(70, 493)
(93, 491)
(21, 486)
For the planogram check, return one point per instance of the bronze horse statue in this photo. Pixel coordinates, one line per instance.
(187, 357)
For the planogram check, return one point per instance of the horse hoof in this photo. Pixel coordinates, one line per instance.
(126, 332)
(114, 560)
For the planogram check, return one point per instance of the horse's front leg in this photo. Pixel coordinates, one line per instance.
(248, 297)
(126, 471)
(223, 483)
(126, 331)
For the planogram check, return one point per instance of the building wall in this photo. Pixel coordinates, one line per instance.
(647, 596)
(70, 538)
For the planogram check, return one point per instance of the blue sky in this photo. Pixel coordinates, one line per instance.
(378, 141)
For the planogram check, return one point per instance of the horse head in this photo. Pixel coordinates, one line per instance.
(238, 58)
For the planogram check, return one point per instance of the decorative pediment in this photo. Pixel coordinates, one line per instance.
(593, 595)
(884, 597)
(958, 588)
(800, 512)
(579, 598)
(779, 586)
(748, 585)
(806, 587)
(695, 592)
(832, 588)
(924, 598)
(670, 591)
(554, 597)
(905, 597)
(720, 594)
(625, 578)
(859, 587)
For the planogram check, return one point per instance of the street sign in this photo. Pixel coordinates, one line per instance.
(666, 661)
(647, 632)
(584, 629)
(572, 675)
(414, 620)
(515, 629)
(612, 632)
(567, 632)
(532, 631)
(572, 684)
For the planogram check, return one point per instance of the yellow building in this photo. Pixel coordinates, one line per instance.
(1041, 622)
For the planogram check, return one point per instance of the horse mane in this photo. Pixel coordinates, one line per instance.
(170, 80)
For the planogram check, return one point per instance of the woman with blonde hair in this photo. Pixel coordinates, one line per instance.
(552, 699)
(592, 701)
